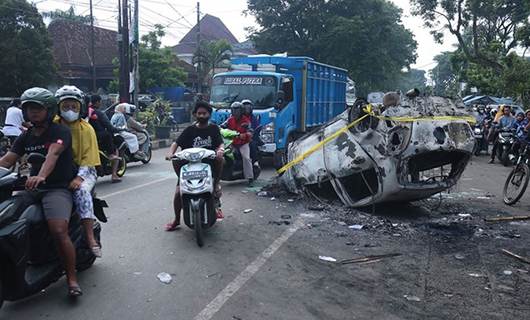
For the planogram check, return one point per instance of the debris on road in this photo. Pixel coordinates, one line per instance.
(510, 218)
(507, 272)
(285, 216)
(317, 207)
(477, 275)
(290, 200)
(280, 222)
(459, 256)
(247, 211)
(516, 256)
(412, 298)
(464, 215)
(372, 258)
(356, 226)
(164, 277)
(263, 194)
(329, 259)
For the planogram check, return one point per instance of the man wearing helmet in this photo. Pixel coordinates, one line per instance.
(135, 127)
(201, 134)
(248, 110)
(241, 123)
(48, 183)
(86, 157)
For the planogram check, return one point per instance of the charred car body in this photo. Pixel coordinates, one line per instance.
(408, 149)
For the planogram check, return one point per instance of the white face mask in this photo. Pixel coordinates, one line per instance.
(70, 116)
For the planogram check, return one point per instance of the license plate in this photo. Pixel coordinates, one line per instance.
(194, 175)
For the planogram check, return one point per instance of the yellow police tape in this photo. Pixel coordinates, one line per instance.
(369, 112)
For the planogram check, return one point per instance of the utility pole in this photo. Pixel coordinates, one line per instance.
(136, 53)
(124, 54)
(199, 82)
(92, 49)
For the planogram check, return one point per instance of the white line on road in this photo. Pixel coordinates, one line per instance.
(135, 187)
(217, 303)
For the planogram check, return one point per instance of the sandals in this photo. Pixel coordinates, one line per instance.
(74, 291)
(96, 250)
(172, 226)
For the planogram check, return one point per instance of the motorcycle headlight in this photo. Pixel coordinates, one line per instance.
(196, 156)
(477, 130)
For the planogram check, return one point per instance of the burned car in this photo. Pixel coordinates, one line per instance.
(408, 148)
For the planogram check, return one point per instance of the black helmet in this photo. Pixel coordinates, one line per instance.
(247, 106)
(236, 109)
(39, 96)
(72, 92)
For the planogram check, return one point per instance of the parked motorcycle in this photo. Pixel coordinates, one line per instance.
(28, 256)
(233, 167)
(196, 190)
(505, 146)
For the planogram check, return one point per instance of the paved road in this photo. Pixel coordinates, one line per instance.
(252, 269)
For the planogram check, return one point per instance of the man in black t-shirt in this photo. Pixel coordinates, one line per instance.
(48, 182)
(201, 134)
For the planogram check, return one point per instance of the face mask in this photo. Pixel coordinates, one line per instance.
(70, 116)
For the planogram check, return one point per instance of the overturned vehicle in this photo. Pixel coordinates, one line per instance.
(408, 148)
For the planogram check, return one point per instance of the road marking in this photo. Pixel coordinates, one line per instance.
(135, 187)
(217, 303)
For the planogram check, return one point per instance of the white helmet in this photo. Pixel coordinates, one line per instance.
(70, 92)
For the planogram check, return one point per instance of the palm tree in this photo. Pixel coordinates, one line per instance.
(210, 55)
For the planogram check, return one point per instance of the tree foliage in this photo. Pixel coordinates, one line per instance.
(211, 55)
(26, 59)
(157, 66)
(69, 15)
(364, 36)
(414, 78)
(445, 76)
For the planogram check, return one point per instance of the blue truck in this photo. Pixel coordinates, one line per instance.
(291, 95)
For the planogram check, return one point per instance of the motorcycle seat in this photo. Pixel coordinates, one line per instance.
(33, 214)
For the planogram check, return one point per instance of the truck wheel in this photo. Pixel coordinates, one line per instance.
(281, 158)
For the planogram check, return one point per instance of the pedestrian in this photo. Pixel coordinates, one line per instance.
(14, 124)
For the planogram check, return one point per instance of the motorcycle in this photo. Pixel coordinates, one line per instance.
(105, 169)
(480, 140)
(196, 190)
(146, 148)
(233, 166)
(505, 144)
(28, 257)
(5, 144)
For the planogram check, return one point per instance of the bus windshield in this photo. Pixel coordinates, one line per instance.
(261, 90)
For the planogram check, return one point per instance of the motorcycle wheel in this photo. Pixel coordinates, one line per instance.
(476, 149)
(122, 166)
(149, 155)
(197, 225)
(505, 156)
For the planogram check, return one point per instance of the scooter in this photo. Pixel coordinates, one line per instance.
(505, 144)
(480, 140)
(233, 166)
(196, 190)
(28, 257)
(105, 169)
(146, 148)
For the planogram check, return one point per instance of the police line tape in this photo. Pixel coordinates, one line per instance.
(369, 111)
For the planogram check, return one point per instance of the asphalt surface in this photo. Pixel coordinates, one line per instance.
(253, 266)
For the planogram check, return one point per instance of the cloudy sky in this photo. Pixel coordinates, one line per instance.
(180, 15)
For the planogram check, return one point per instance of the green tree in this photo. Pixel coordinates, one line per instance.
(157, 65)
(26, 58)
(444, 76)
(364, 36)
(210, 55)
(67, 15)
(414, 78)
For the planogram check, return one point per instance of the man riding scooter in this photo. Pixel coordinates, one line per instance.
(241, 123)
(49, 183)
(504, 122)
(201, 134)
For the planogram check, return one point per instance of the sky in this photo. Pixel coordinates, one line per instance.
(180, 15)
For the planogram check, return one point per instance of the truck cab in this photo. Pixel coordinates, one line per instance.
(290, 95)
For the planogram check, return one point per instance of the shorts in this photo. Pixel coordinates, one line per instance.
(56, 203)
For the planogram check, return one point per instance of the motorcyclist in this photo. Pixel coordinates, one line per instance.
(48, 183)
(201, 134)
(505, 122)
(248, 109)
(135, 127)
(241, 123)
(86, 157)
(14, 122)
(104, 132)
(119, 121)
